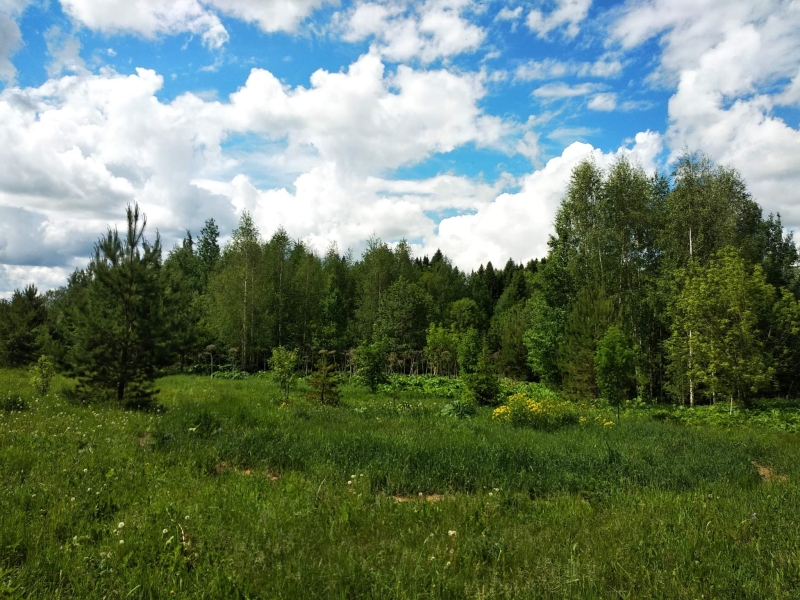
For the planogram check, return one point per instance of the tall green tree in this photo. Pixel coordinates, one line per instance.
(117, 321)
(614, 365)
(22, 327)
(724, 305)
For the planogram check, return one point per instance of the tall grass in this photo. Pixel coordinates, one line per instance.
(231, 493)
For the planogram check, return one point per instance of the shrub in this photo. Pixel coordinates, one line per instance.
(282, 363)
(371, 365)
(547, 413)
(483, 384)
(13, 403)
(459, 408)
(42, 375)
(324, 382)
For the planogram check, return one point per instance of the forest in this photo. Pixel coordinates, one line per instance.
(688, 289)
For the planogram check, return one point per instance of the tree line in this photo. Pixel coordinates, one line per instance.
(664, 286)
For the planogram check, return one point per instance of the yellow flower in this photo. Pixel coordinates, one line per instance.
(608, 423)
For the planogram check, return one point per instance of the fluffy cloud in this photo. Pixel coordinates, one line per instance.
(604, 102)
(567, 14)
(366, 120)
(330, 205)
(556, 91)
(551, 68)
(10, 36)
(151, 18)
(729, 61)
(518, 225)
(405, 31)
(78, 148)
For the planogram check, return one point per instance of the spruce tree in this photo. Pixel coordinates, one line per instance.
(323, 382)
(117, 329)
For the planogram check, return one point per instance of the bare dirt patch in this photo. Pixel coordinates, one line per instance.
(768, 475)
(428, 498)
(223, 467)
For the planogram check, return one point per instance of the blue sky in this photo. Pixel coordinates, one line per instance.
(451, 123)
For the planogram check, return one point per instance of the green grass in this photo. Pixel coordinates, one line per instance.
(229, 493)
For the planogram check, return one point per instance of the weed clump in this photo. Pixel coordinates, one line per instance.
(546, 412)
(14, 403)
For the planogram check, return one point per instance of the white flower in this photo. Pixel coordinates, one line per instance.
(164, 532)
(451, 533)
(72, 499)
(186, 518)
(349, 483)
(120, 525)
(121, 542)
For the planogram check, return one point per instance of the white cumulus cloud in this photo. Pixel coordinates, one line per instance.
(402, 31)
(567, 14)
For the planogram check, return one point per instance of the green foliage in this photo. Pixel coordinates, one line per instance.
(483, 384)
(465, 314)
(614, 363)
(324, 381)
(42, 375)
(460, 408)
(283, 363)
(546, 412)
(424, 385)
(13, 403)
(592, 313)
(370, 362)
(542, 339)
(22, 327)
(117, 329)
(441, 350)
(470, 347)
(403, 317)
(717, 340)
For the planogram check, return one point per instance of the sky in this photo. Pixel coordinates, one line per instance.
(453, 124)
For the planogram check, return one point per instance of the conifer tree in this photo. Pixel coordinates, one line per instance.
(324, 383)
(117, 321)
(22, 321)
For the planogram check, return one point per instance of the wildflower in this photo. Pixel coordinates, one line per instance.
(451, 533)
(349, 483)
(121, 542)
(186, 518)
(491, 494)
(86, 470)
(608, 423)
(72, 499)
(164, 532)
(753, 518)
(120, 525)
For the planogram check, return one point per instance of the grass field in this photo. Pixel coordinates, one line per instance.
(231, 493)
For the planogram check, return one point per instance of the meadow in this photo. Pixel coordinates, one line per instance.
(229, 491)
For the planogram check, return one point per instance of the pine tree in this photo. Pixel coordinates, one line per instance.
(22, 321)
(117, 321)
(324, 383)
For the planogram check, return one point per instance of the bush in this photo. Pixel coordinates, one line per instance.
(546, 413)
(370, 365)
(459, 408)
(483, 384)
(14, 403)
(41, 375)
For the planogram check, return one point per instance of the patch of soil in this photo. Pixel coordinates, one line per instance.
(768, 475)
(428, 498)
(223, 467)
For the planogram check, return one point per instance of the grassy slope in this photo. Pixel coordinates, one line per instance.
(642, 509)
